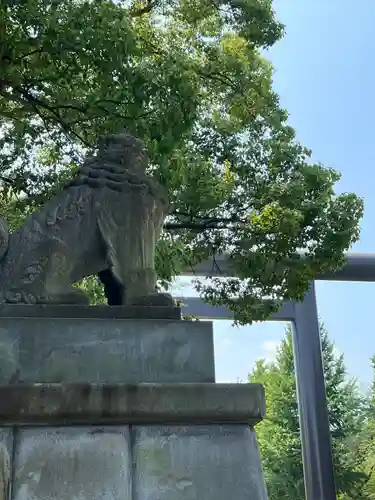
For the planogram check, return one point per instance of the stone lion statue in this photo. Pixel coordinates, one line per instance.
(105, 221)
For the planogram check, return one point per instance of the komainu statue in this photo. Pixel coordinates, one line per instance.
(105, 221)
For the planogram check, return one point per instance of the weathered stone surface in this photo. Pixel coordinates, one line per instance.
(197, 462)
(72, 463)
(105, 222)
(145, 403)
(99, 312)
(6, 448)
(105, 351)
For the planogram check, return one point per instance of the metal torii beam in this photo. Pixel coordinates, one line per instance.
(312, 405)
(358, 267)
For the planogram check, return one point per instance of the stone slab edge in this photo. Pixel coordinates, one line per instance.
(167, 404)
(99, 312)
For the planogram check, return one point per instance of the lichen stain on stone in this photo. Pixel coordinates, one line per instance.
(67, 466)
(156, 459)
(154, 456)
(8, 361)
(183, 484)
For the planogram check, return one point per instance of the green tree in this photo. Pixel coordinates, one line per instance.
(279, 436)
(189, 79)
(365, 443)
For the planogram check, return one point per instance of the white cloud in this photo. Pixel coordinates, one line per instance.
(269, 350)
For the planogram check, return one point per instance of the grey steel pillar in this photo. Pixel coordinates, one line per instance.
(312, 405)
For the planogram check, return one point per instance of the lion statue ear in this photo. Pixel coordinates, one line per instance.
(4, 237)
(122, 139)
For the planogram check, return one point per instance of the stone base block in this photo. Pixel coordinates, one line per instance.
(72, 463)
(104, 350)
(213, 462)
(71, 404)
(212, 454)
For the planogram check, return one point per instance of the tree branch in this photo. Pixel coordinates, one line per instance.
(35, 102)
(218, 77)
(205, 224)
(23, 56)
(144, 10)
(7, 180)
(170, 226)
(191, 217)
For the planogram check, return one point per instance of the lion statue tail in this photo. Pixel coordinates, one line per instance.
(4, 237)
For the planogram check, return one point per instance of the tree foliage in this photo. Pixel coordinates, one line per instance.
(189, 78)
(278, 434)
(365, 443)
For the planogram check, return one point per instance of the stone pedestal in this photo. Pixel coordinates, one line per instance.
(121, 408)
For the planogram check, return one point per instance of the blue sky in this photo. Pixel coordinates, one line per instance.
(325, 76)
